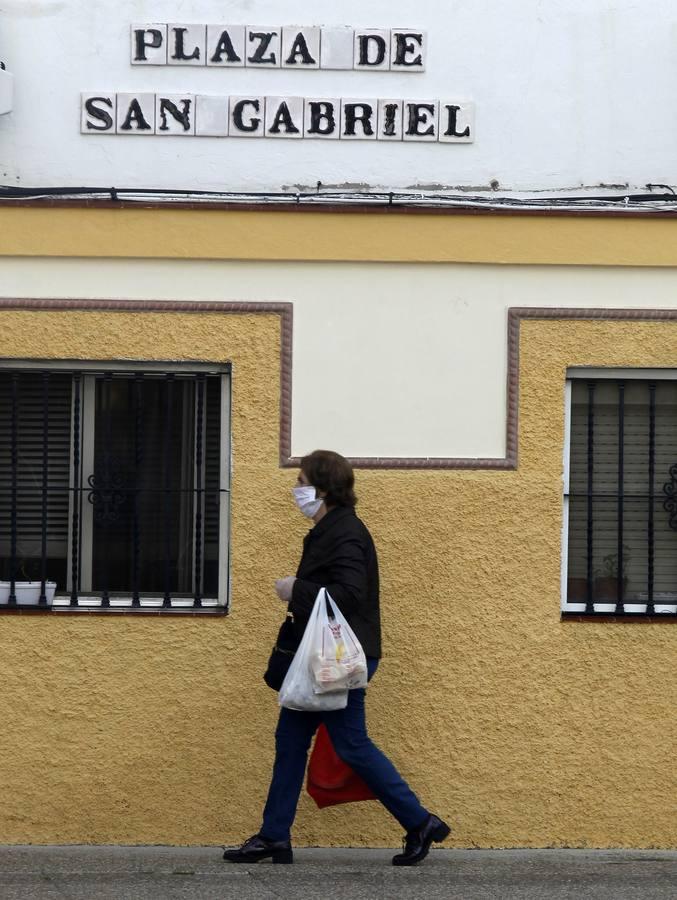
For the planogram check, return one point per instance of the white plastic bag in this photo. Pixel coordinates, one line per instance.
(328, 662)
(298, 688)
(337, 660)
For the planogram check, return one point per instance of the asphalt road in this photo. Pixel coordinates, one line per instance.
(198, 873)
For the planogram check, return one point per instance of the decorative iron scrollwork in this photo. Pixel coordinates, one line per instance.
(107, 495)
(670, 503)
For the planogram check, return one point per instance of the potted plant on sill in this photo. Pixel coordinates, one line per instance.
(26, 591)
(605, 585)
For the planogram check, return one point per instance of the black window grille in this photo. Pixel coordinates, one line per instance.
(622, 498)
(112, 489)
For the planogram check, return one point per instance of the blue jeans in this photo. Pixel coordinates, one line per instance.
(348, 732)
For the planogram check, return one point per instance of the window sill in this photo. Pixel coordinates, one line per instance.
(115, 610)
(152, 603)
(617, 617)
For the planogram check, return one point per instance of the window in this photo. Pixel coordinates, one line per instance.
(620, 495)
(114, 486)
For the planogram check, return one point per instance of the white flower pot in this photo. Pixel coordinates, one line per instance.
(27, 592)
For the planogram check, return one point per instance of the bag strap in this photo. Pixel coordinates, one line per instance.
(329, 603)
(332, 608)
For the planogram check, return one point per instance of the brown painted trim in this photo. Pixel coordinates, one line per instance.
(285, 310)
(379, 207)
(419, 462)
(205, 613)
(515, 317)
(649, 315)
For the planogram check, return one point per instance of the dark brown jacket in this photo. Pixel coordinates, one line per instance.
(339, 555)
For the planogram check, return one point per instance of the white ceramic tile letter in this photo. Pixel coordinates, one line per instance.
(135, 114)
(359, 120)
(149, 45)
(389, 120)
(408, 48)
(175, 114)
(225, 45)
(246, 116)
(186, 45)
(263, 46)
(97, 114)
(372, 49)
(457, 122)
(300, 47)
(284, 117)
(420, 120)
(322, 118)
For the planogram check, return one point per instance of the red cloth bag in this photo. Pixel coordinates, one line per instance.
(330, 780)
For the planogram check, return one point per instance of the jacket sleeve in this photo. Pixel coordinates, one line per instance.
(346, 580)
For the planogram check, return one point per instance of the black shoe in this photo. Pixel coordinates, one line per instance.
(417, 842)
(257, 848)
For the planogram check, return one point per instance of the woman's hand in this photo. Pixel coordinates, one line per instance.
(284, 587)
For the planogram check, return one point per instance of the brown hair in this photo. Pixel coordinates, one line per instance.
(332, 473)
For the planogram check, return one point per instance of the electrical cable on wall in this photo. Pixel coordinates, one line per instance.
(665, 201)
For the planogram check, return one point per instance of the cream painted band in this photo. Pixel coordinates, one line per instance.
(285, 310)
(366, 235)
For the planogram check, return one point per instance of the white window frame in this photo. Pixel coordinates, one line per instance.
(224, 371)
(581, 373)
(566, 472)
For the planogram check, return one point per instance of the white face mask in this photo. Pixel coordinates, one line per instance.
(306, 500)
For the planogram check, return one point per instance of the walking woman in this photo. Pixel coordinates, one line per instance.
(339, 555)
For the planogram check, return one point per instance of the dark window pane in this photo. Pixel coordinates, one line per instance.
(649, 543)
(29, 487)
(163, 464)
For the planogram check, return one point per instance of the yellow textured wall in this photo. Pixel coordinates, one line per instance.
(519, 729)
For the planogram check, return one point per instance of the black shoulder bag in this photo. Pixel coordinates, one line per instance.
(282, 654)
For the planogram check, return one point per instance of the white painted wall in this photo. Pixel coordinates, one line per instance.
(567, 93)
(418, 370)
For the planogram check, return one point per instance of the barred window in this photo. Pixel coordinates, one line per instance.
(114, 486)
(620, 497)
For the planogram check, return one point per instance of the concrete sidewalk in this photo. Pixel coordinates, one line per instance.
(169, 873)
